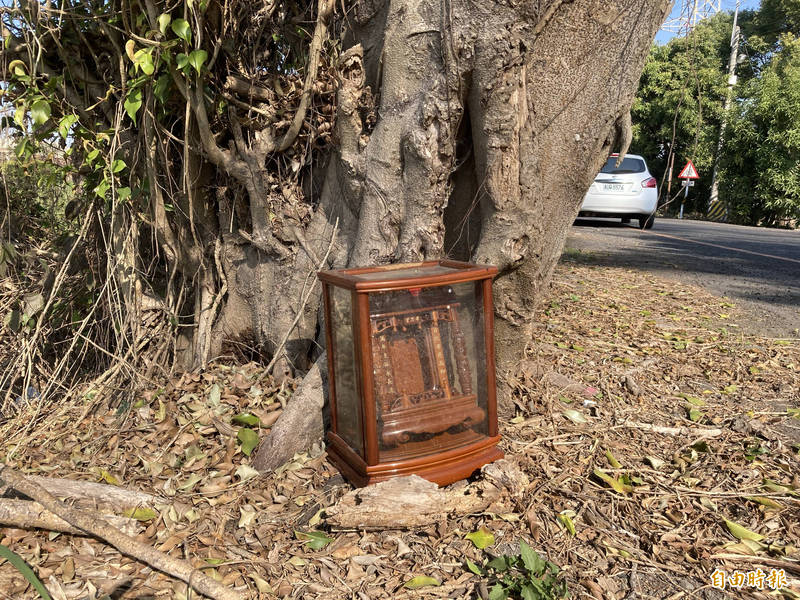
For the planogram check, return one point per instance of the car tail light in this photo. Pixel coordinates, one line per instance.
(650, 183)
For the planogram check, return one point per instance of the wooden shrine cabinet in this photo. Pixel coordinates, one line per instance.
(411, 366)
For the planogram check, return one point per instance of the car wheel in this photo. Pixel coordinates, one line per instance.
(646, 221)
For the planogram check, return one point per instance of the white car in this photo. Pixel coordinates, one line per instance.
(627, 191)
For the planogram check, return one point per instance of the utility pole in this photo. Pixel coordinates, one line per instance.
(713, 201)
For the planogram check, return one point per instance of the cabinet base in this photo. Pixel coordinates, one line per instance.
(443, 468)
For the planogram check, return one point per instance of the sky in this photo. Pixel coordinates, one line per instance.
(662, 37)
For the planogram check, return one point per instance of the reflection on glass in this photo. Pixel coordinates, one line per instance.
(429, 358)
(348, 406)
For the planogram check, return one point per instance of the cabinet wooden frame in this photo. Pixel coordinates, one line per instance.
(451, 445)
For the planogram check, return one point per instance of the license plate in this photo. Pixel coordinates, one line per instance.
(614, 187)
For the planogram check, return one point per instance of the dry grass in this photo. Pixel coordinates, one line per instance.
(628, 350)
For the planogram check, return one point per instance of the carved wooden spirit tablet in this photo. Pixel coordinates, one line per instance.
(411, 365)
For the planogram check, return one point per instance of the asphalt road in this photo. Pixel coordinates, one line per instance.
(757, 268)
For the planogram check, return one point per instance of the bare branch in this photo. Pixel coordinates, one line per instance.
(324, 10)
(101, 529)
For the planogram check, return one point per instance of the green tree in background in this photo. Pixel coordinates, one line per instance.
(681, 93)
(683, 86)
(761, 156)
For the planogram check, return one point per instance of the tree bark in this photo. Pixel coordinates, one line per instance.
(32, 515)
(492, 120)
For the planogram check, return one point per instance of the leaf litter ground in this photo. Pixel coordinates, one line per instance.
(659, 442)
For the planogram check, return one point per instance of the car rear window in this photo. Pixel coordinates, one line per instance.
(629, 165)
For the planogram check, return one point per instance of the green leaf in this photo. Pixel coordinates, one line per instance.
(474, 568)
(566, 520)
(16, 561)
(108, 477)
(483, 538)
(181, 60)
(182, 29)
(133, 102)
(528, 593)
(101, 188)
(117, 165)
(163, 23)
(19, 115)
(22, 148)
(17, 67)
(612, 461)
(140, 514)
(742, 533)
(65, 124)
(531, 559)
(123, 193)
(499, 564)
(248, 439)
(92, 156)
(613, 483)
(420, 581)
(498, 592)
(695, 401)
(694, 414)
(161, 88)
(40, 111)
(13, 320)
(197, 58)
(246, 418)
(144, 60)
(316, 540)
(774, 486)
(767, 502)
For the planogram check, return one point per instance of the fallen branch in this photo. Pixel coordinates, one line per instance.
(111, 495)
(688, 431)
(787, 565)
(324, 10)
(32, 515)
(101, 529)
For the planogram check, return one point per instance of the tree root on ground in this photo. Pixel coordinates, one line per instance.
(300, 425)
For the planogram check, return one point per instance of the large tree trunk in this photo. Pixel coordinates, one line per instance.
(489, 123)
(463, 129)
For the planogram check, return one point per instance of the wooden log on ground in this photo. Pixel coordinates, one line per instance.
(111, 495)
(101, 529)
(25, 514)
(412, 501)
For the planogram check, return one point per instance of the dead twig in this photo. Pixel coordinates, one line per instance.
(788, 565)
(324, 10)
(100, 528)
(688, 431)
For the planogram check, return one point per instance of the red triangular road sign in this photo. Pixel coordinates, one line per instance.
(688, 172)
